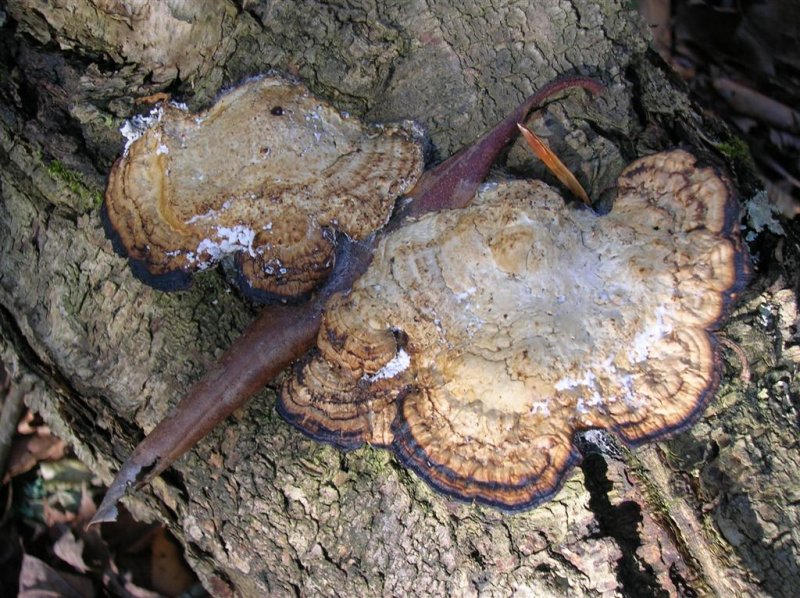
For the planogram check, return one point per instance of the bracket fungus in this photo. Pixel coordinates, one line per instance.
(282, 333)
(265, 175)
(480, 340)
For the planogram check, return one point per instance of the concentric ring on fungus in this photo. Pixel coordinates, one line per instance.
(519, 321)
(265, 175)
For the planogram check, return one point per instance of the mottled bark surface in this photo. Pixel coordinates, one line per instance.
(260, 508)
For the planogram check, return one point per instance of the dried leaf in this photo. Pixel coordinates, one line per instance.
(86, 510)
(121, 584)
(656, 13)
(29, 450)
(153, 99)
(554, 164)
(54, 517)
(168, 571)
(37, 579)
(748, 101)
(70, 550)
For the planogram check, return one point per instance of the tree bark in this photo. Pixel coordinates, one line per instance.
(261, 509)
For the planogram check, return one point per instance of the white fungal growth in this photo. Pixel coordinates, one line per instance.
(134, 127)
(314, 119)
(592, 386)
(658, 329)
(398, 364)
(465, 294)
(541, 407)
(568, 383)
(210, 215)
(227, 241)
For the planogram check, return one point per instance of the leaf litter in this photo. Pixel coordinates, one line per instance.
(47, 499)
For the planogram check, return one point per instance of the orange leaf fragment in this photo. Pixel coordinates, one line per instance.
(554, 164)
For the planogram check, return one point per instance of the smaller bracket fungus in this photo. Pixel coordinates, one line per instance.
(265, 175)
(480, 340)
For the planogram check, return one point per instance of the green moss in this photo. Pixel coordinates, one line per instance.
(74, 182)
(377, 459)
(734, 148)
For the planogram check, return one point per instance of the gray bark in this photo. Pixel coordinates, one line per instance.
(263, 510)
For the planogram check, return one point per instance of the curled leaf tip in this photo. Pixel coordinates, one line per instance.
(554, 164)
(126, 478)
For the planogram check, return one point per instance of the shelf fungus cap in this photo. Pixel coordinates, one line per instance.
(481, 340)
(266, 174)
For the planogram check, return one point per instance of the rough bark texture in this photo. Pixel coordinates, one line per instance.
(262, 509)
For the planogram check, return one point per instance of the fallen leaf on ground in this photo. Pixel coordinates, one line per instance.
(37, 579)
(70, 550)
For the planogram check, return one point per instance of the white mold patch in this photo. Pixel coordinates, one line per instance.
(657, 329)
(134, 127)
(227, 242)
(397, 365)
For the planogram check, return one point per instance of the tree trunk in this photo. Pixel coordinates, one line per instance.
(261, 509)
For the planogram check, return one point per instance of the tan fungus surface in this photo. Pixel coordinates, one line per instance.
(265, 174)
(480, 340)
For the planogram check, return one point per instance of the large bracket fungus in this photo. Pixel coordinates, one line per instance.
(481, 340)
(265, 174)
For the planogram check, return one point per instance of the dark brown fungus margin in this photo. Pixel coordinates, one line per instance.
(283, 333)
(479, 341)
(265, 175)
